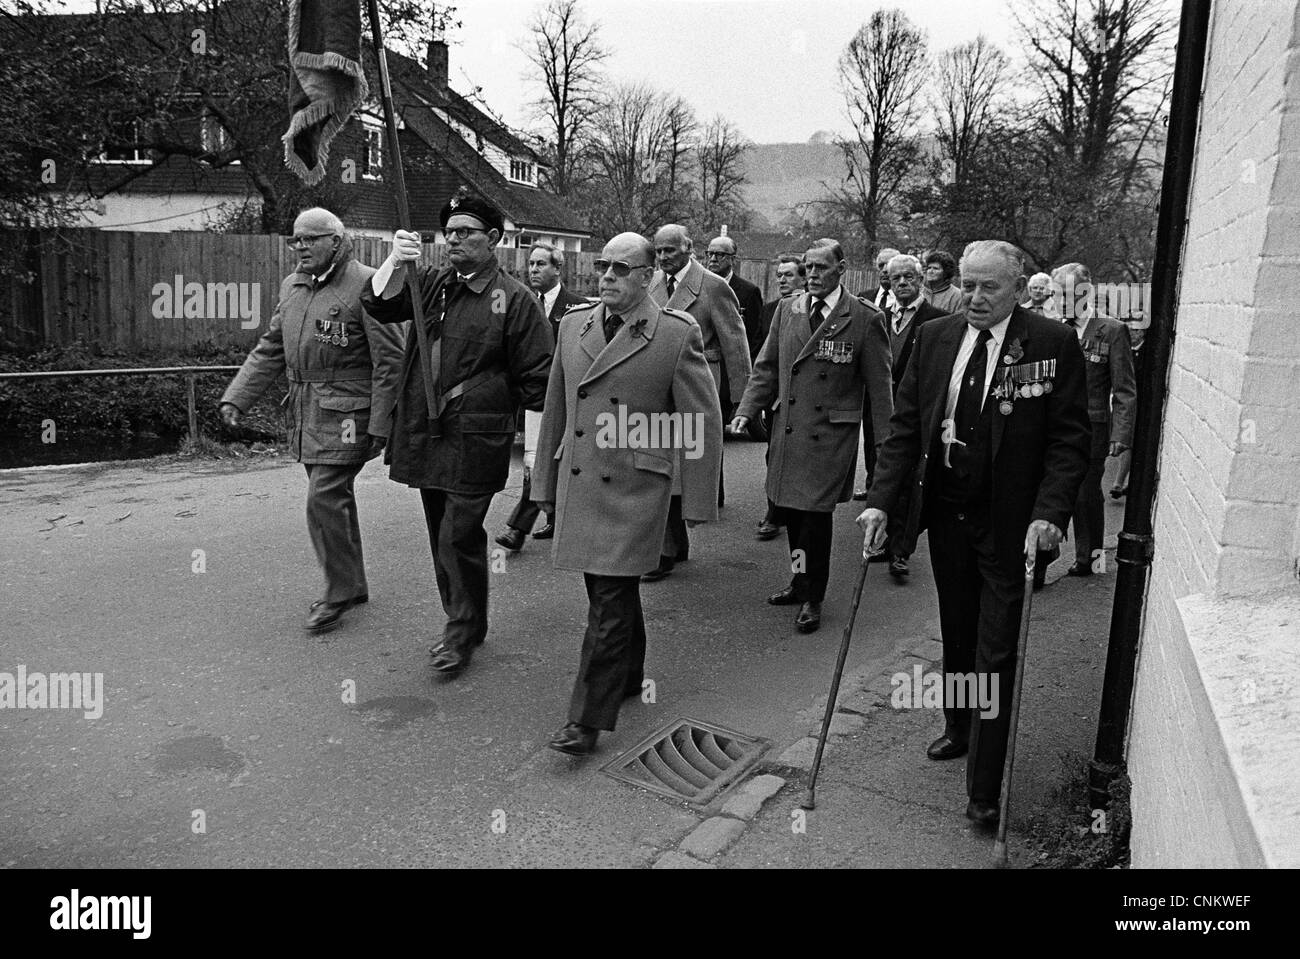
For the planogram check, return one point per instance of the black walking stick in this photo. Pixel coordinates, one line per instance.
(810, 797)
(1000, 843)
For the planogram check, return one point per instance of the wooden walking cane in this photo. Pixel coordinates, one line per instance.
(403, 209)
(1004, 801)
(810, 796)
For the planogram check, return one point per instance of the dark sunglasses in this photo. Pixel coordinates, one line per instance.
(621, 267)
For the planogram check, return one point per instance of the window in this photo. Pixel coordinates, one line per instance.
(521, 171)
(525, 239)
(372, 154)
(212, 135)
(123, 146)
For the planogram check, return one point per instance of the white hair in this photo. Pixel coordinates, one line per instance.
(903, 259)
(1040, 276)
(1008, 252)
(330, 221)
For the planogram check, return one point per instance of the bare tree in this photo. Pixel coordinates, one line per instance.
(567, 52)
(642, 140)
(968, 78)
(720, 172)
(883, 72)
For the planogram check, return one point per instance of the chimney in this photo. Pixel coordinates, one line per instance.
(438, 63)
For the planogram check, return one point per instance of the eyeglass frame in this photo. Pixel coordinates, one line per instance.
(462, 232)
(616, 264)
(301, 242)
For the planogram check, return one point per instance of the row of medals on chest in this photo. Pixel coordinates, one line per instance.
(1021, 382)
(332, 332)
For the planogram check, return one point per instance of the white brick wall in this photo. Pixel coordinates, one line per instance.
(1227, 526)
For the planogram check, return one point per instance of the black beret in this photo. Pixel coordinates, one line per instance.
(473, 206)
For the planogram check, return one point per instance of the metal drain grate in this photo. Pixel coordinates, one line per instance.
(687, 760)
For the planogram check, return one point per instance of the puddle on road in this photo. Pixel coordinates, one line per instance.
(180, 756)
(394, 712)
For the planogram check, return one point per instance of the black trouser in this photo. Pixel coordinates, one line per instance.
(773, 515)
(459, 544)
(868, 439)
(334, 529)
(1089, 517)
(810, 551)
(676, 542)
(525, 513)
(980, 603)
(613, 650)
(896, 525)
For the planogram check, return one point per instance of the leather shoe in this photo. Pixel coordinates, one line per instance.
(767, 530)
(784, 597)
(809, 618)
(946, 748)
(451, 660)
(983, 813)
(325, 616)
(898, 568)
(1080, 568)
(860, 495)
(878, 558)
(512, 539)
(574, 739)
(664, 568)
(546, 532)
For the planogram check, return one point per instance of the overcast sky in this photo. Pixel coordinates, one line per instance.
(767, 65)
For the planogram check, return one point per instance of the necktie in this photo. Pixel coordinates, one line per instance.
(612, 324)
(815, 320)
(541, 300)
(898, 320)
(672, 286)
(969, 402)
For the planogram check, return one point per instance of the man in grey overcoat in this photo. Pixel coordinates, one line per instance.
(342, 369)
(827, 350)
(624, 371)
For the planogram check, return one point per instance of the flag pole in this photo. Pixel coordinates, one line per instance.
(399, 195)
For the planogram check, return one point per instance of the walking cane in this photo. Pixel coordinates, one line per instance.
(809, 797)
(1000, 842)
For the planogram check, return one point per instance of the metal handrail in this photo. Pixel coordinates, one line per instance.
(191, 374)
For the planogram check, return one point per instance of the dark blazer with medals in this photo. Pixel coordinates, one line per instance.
(1108, 351)
(1039, 449)
(817, 383)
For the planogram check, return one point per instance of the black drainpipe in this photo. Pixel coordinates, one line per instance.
(1136, 543)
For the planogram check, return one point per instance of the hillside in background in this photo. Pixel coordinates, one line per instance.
(783, 174)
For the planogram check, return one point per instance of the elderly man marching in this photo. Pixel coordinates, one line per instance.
(624, 369)
(826, 350)
(342, 369)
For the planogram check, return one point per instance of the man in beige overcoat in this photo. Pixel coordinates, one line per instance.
(628, 383)
(343, 369)
(681, 283)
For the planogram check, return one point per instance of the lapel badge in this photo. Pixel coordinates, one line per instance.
(1015, 353)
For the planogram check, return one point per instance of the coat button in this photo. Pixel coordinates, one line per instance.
(582, 394)
(822, 375)
(789, 429)
(818, 408)
(576, 470)
(613, 399)
(577, 432)
(604, 478)
(794, 372)
(814, 436)
(790, 401)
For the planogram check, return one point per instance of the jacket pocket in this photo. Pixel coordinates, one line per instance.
(343, 404)
(652, 463)
(845, 416)
(487, 423)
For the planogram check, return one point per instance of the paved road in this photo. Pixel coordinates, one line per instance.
(216, 701)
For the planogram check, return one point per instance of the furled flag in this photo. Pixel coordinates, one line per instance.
(327, 81)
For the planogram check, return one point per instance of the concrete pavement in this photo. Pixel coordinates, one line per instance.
(227, 737)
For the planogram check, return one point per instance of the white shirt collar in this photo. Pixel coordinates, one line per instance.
(831, 299)
(680, 275)
(549, 298)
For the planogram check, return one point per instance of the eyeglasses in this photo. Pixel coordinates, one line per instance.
(294, 242)
(621, 268)
(462, 232)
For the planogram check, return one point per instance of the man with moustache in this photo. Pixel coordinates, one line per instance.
(622, 360)
(342, 369)
(826, 350)
(907, 313)
(990, 432)
(454, 423)
(681, 283)
(790, 279)
(545, 262)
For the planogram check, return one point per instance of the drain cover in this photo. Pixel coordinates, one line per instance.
(687, 760)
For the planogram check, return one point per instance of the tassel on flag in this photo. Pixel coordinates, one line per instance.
(326, 83)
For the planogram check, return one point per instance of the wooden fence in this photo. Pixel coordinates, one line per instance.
(125, 292)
